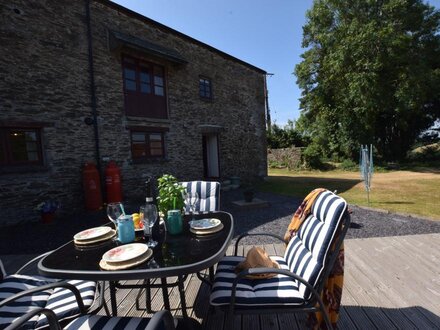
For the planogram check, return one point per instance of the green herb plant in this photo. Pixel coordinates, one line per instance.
(170, 194)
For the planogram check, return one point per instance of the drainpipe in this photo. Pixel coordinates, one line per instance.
(94, 120)
(266, 99)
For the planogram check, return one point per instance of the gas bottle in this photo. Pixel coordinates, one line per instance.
(92, 187)
(113, 183)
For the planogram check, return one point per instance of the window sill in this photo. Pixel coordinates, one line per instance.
(207, 99)
(148, 119)
(23, 169)
(150, 161)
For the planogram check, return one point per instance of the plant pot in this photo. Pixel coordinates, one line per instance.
(47, 217)
(248, 196)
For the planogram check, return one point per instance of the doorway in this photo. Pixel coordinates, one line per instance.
(211, 167)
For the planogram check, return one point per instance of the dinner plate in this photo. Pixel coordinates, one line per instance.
(205, 223)
(92, 241)
(207, 231)
(127, 264)
(124, 253)
(91, 233)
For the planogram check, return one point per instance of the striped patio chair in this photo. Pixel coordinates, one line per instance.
(209, 195)
(305, 266)
(41, 292)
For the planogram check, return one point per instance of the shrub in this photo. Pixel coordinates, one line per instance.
(348, 165)
(312, 157)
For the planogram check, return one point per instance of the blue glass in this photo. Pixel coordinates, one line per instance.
(126, 232)
(174, 222)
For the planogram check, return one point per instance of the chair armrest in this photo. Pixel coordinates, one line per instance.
(254, 234)
(65, 285)
(161, 320)
(51, 318)
(31, 262)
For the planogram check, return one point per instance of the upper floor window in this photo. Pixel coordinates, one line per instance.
(205, 88)
(144, 88)
(20, 146)
(146, 145)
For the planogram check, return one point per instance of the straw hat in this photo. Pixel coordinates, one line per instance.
(256, 258)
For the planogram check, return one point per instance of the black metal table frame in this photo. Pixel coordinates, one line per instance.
(113, 277)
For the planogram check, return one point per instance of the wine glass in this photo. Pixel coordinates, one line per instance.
(191, 199)
(149, 219)
(114, 212)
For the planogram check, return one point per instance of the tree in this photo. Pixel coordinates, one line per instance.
(370, 74)
(285, 137)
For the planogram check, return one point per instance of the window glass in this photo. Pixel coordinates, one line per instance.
(146, 144)
(138, 137)
(130, 85)
(19, 146)
(145, 77)
(129, 74)
(158, 90)
(158, 81)
(205, 88)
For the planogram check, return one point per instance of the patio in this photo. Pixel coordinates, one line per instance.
(390, 283)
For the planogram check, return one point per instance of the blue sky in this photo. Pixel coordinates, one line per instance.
(264, 33)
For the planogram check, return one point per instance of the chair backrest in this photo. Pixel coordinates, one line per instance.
(307, 253)
(209, 195)
(2, 271)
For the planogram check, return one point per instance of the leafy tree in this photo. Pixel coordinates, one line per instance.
(370, 74)
(284, 137)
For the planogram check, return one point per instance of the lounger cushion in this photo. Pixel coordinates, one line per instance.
(60, 300)
(106, 322)
(209, 195)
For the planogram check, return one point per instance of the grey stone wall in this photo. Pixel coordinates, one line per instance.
(287, 157)
(45, 78)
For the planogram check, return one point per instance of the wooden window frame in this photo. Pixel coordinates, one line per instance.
(7, 148)
(204, 88)
(137, 102)
(147, 132)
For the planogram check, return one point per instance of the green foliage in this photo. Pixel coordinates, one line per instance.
(348, 165)
(285, 137)
(370, 75)
(312, 157)
(169, 190)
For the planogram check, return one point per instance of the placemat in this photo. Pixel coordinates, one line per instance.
(111, 234)
(128, 264)
(206, 231)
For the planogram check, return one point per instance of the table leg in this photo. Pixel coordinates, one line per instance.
(182, 296)
(148, 296)
(112, 286)
(166, 299)
(211, 274)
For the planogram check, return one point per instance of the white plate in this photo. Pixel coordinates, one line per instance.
(125, 252)
(205, 223)
(91, 233)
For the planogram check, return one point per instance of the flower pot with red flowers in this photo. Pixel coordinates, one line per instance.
(48, 209)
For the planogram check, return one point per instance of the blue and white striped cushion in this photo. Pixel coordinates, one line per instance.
(107, 323)
(274, 291)
(17, 283)
(306, 252)
(209, 195)
(63, 303)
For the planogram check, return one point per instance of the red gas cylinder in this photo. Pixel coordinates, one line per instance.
(113, 183)
(92, 187)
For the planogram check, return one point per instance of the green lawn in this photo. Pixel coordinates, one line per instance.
(412, 192)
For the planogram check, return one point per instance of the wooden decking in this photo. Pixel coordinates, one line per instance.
(390, 283)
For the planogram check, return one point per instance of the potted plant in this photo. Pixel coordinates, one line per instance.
(248, 193)
(47, 210)
(170, 194)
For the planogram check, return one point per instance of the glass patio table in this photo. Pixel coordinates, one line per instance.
(175, 255)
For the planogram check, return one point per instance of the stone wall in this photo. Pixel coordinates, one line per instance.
(46, 80)
(288, 157)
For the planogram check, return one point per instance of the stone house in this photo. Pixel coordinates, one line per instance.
(93, 81)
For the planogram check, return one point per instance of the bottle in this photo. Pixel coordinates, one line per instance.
(151, 200)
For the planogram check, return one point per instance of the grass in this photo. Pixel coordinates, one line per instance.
(414, 191)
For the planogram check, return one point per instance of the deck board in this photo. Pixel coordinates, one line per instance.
(390, 283)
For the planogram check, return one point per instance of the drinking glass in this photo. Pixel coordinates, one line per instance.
(114, 211)
(191, 199)
(149, 219)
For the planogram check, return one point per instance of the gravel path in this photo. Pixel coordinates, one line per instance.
(276, 218)
(35, 238)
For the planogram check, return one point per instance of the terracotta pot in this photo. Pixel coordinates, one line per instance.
(47, 217)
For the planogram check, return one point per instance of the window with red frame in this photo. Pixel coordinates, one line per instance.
(144, 88)
(20, 146)
(146, 145)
